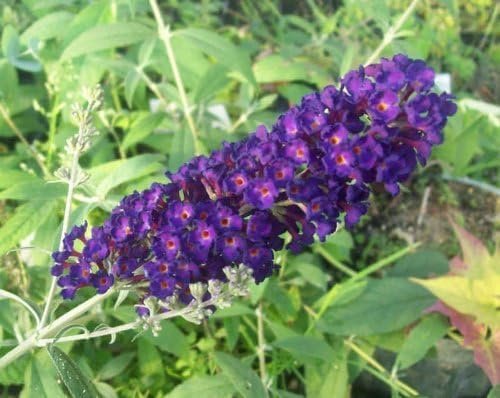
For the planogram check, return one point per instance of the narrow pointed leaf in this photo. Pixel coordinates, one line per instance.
(78, 385)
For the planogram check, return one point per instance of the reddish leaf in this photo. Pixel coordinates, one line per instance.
(486, 348)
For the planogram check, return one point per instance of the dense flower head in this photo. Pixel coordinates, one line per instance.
(315, 164)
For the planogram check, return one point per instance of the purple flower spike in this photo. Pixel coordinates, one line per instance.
(311, 169)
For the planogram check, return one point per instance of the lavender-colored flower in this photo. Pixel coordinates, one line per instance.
(313, 167)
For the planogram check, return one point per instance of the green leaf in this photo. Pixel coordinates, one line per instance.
(142, 127)
(110, 175)
(115, 366)
(182, 149)
(303, 347)
(383, 306)
(221, 49)
(10, 42)
(105, 37)
(275, 68)
(149, 358)
(313, 274)
(169, 339)
(339, 245)
(15, 373)
(236, 309)
(38, 189)
(214, 80)
(329, 379)
(217, 386)
(7, 176)
(243, 378)
(421, 338)
(421, 264)
(47, 27)
(106, 390)
(131, 83)
(78, 385)
(40, 379)
(494, 392)
(26, 219)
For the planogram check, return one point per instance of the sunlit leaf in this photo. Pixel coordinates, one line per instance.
(26, 219)
(104, 37)
(205, 386)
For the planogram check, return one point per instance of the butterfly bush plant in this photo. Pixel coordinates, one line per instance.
(192, 243)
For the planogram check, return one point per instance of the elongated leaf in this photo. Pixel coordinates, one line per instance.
(141, 128)
(383, 306)
(237, 309)
(35, 189)
(329, 379)
(8, 176)
(243, 378)
(182, 149)
(48, 26)
(421, 339)
(149, 358)
(115, 366)
(221, 49)
(26, 219)
(217, 386)
(106, 390)
(275, 68)
(40, 379)
(78, 385)
(421, 264)
(104, 37)
(169, 339)
(303, 347)
(121, 171)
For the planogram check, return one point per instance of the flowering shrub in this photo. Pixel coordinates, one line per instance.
(175, 240)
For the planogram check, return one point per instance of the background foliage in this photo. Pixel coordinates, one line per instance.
(334, 313)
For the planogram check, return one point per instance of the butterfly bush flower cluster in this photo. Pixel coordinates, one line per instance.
(229, 211)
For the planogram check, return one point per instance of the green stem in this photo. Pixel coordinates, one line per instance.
(391, 33)
(52, 130)
(165, 35)
(261, 344)
(377, 366)
(19, 134)
(383, 263)
(333, 261)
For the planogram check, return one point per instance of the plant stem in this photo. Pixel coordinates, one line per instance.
(117, 329)
(261, 344)
(165, 35)
(60, 322)
(391, 33)
(19, 134)
(377, 366)
(72, 182)
(383, 263)
(333, 261)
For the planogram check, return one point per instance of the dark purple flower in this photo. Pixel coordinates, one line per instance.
(102, 281)
(310, 170)
(384, 106)
(261, 193)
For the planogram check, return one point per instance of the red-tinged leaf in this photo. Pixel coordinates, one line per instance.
(486, 346)
(473, 250)
(457, 266)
